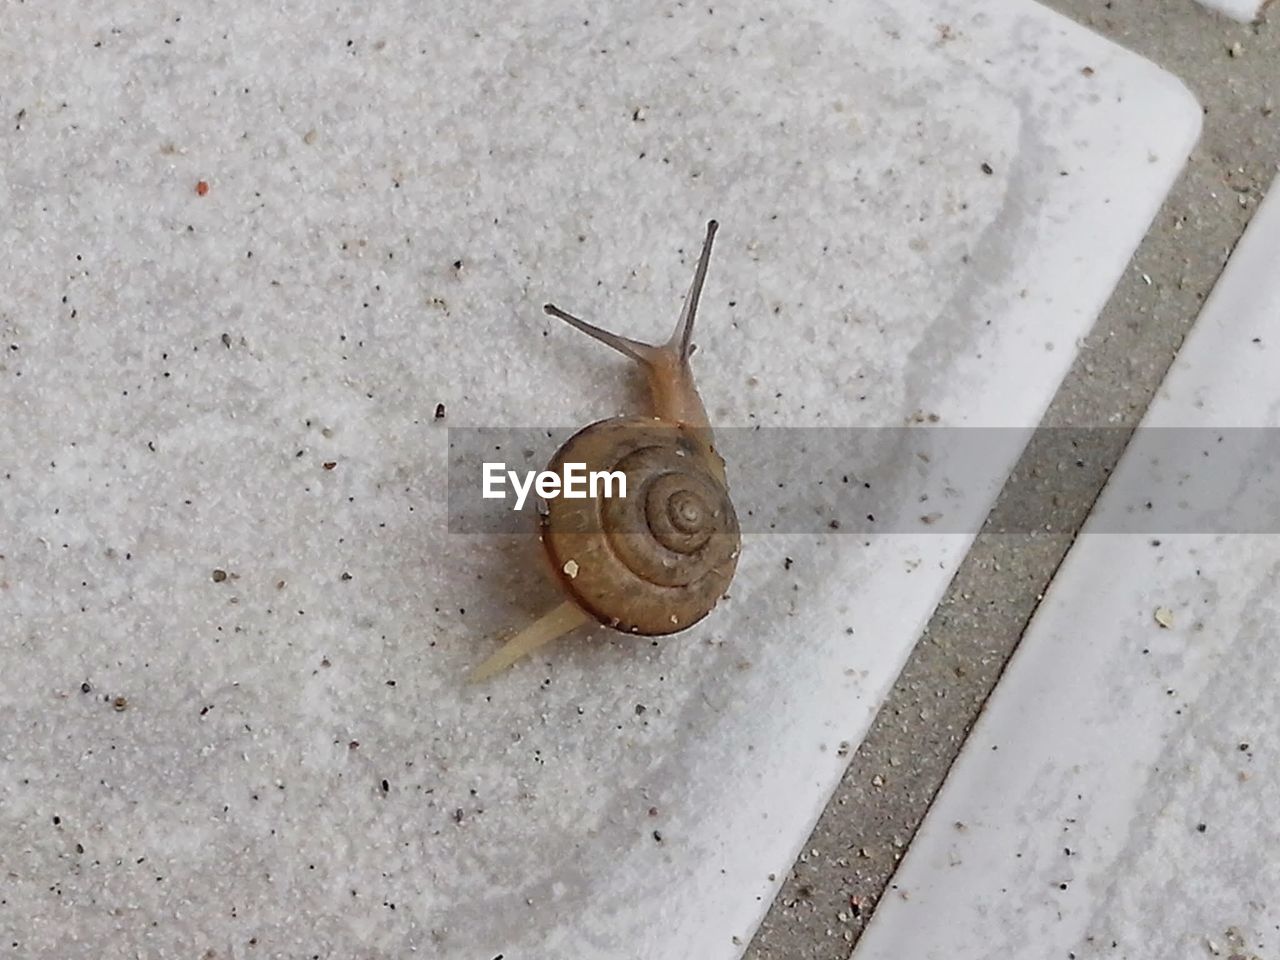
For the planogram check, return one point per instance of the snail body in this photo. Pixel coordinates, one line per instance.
(656, 561)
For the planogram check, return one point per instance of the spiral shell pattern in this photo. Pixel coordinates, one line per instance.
(658, 560)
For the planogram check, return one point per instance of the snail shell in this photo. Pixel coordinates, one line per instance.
(655, 561)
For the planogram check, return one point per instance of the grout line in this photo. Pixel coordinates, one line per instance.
(827, 900)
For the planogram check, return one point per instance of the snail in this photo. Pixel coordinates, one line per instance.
(656, 561)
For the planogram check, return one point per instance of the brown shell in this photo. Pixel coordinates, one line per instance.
(658, 560)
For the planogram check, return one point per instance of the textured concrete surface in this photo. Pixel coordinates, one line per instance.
(1234, 70)
(250, 254)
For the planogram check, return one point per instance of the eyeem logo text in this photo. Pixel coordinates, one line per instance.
(577, 483)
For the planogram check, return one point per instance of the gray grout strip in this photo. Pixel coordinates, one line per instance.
(886, 791)
(1115, 793)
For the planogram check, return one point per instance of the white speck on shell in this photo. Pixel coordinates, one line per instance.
(571, 568)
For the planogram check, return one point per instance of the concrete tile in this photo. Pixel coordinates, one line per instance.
(1246, 11)
(1114, 798)
(234, 623)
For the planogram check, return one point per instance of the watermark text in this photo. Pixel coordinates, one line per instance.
(576, 483)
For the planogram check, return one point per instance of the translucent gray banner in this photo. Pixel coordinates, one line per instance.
(929, 479)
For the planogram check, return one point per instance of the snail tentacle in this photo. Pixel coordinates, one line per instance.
(666, 366)
(635, 349)
(681, 340)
